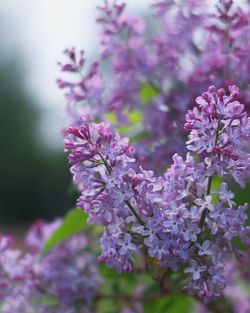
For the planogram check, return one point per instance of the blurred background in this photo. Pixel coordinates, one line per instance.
(35, 180)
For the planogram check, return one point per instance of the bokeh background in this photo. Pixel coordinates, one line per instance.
(35, 181)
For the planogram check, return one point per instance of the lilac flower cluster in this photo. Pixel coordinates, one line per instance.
(101, 169)
(188, 48)
(61, 281)
(18, 280)
(175, 217)
(221, 127)
(86, 87)
(236, 298)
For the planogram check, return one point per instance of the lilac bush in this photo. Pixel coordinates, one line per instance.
(179, 219)
(158, 141)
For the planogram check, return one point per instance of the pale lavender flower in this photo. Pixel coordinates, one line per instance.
(195, 270)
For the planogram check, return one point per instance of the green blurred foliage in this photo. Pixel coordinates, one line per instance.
(147, 92)
(74, 222)
(171, 303)
(242, 196)
(34, 182)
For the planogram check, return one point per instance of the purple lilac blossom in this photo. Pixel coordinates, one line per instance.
(188, 48)
(235, 293)
(175, 216)
(220, 127)
(66, 277)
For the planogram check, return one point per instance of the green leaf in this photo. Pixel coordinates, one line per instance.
(50, 301)
(147, 92)
(173, 304)
(135, 117)
(139, 136)
(111, 118)
(236, 241)
(241, 195)
(216, 182)
(74, 222)
(108, 306)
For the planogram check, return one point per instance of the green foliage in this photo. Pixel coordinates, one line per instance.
(74, 222)
(111, 118)
(241, 197)
(125, 285)
(135, 117)
(116, 283)
(133, 128)
(134, 125)
(216, 182)
(239, 244)
(172, 303)
(50, 301)
(147, 92)
(139, 136)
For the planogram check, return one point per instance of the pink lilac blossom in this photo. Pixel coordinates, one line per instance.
(174, 216)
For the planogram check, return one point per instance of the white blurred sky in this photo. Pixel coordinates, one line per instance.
(42, 29)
